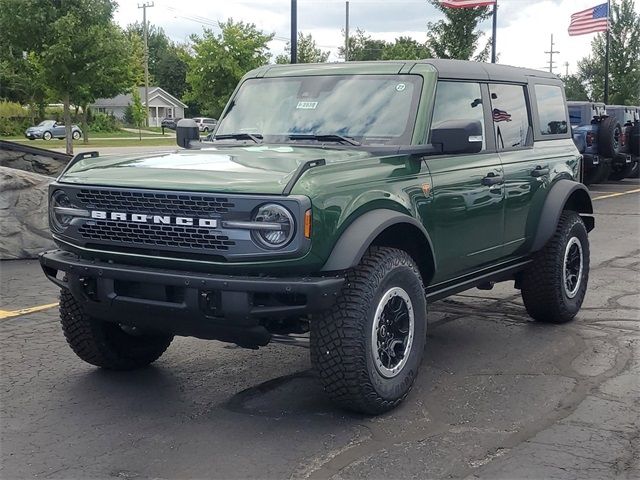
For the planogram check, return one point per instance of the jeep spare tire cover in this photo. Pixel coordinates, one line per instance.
(609, 134)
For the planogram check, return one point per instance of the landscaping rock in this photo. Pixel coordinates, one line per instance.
(24, 223)
(29, 162)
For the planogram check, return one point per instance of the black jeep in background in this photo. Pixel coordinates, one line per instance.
(626, 162)
(597, 137)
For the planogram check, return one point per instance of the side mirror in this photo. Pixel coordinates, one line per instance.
(186, 131)
(458, 136)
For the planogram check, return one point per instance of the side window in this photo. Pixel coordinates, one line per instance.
(458, 101)
(510, 116)
(553, 117)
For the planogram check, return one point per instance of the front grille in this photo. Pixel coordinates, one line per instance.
(191, 205)
(149, 235)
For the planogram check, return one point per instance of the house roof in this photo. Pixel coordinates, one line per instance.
(123, 100)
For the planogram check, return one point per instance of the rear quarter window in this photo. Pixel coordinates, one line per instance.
(551, 110)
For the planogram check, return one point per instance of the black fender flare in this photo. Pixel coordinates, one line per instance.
(563, 192)
(358, 236)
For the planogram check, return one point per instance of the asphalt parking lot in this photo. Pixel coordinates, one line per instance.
(497, 397)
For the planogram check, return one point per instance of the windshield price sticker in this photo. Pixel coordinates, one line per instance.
(307, 105)
(400, 87)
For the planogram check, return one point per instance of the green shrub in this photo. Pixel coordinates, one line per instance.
(13, 110)
(102, 122)
(13, 126)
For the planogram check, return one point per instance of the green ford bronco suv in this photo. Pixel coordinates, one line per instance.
(335, 199)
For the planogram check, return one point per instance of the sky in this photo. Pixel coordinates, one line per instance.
(524, 26)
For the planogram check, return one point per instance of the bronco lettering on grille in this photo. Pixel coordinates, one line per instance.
(158, 219)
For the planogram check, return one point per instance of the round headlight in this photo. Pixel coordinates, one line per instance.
(59, 220)
(278, 226)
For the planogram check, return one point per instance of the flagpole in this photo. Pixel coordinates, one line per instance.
(493, 35)
(606, 56)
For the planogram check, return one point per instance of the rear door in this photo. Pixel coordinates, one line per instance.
(534, 142)
(466, 217)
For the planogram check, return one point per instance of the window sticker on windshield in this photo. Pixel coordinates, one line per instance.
(400, 87)
(307, 105)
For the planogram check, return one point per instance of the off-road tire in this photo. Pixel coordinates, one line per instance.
(634, 146)
(106, 344)
(621, 171)
(341, 338)
(604, 170)
(608, 129)
(591, 175)
(543, 289)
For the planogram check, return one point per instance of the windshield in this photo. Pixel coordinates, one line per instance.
(372, 109)
(46, 123)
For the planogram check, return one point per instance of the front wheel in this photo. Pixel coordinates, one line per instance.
(367, 349)
(46, 136)
(555, 284)
(107, 344)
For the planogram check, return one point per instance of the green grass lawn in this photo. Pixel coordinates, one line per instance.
(112, 139)
(97, 135)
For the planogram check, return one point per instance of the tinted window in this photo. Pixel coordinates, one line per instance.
(510, 116)
(458, 101)
(553, 117)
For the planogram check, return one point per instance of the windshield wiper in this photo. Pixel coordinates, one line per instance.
(256, 137)
(331, 137)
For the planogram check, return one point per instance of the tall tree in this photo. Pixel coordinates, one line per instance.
(220, 61)
(574, 88)
(405, 48)
(81, 52)
(624, 58)
(362, 47)
(457, 35)
(308, 51)
(138, 110)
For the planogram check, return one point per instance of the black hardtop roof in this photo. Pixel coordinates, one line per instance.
(446, 68)
(461, 69)
(579, 103)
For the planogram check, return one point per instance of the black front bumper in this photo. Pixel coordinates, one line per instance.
(222, 307)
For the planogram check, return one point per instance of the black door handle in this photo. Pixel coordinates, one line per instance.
(540, 171)
(492, 179)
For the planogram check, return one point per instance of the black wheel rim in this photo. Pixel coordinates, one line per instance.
(572, 268)
(393, 330)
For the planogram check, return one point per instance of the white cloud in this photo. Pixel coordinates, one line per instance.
(524, 26)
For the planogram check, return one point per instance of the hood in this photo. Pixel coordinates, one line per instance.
(260, 169)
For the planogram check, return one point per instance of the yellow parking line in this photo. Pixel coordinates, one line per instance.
(628, 192)
(4, 314)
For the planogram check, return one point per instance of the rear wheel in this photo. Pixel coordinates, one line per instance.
(107, 344)
(75, 135)
(367, 349)
(609, 136)
(554, 285)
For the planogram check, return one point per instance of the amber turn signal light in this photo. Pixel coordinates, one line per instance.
(307, 224)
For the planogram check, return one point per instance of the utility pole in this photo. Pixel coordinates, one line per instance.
(346, 33)
(606, 55)
(145, 30)
(550, 53)
(294, 31)
(566, 67)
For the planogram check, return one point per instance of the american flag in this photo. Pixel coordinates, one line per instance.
(466, 3)
(500, 115)
(594, 19)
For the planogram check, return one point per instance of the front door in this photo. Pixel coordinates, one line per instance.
(466, 217)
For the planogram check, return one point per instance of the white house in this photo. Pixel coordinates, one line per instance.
(161, 105)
